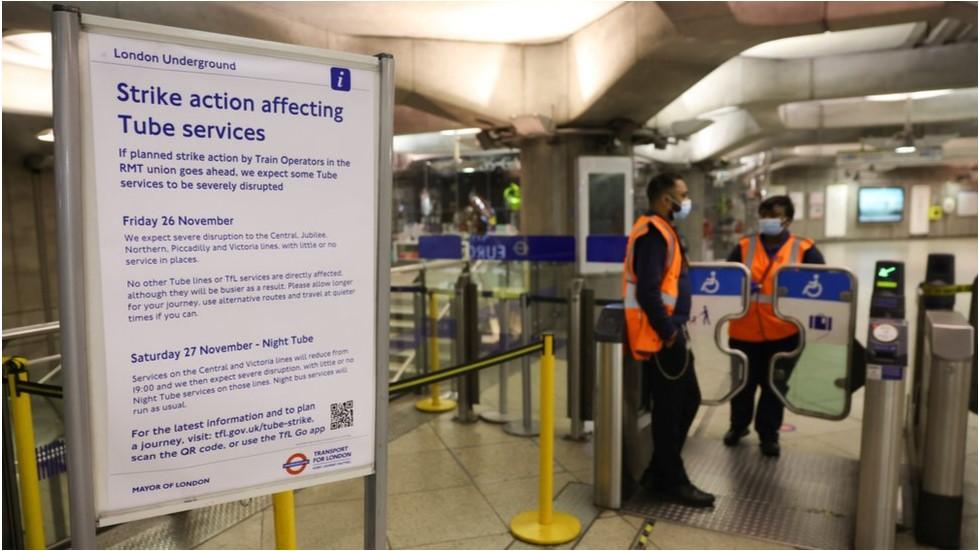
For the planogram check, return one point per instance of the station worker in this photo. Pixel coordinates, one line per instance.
(656, 290)
(760, 334)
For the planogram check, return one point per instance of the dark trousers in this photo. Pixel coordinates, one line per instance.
(674, 405)
(770, 412)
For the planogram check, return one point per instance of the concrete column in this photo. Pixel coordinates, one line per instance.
(548, 182)
(549, 191)
(692, 229)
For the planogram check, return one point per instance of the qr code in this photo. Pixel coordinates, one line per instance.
(341, 415)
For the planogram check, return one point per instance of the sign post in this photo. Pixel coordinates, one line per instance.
(224, 227)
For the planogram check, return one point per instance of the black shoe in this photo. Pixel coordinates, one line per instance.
(689, 495)
(650, 484)
(732, 437)
(770, 448)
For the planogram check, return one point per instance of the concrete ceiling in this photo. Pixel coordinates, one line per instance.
(620, 62)
(773, 94)
(502, 22)
(873, 39)
(464, 64)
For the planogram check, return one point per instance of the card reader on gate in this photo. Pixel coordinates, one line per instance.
(887, 335)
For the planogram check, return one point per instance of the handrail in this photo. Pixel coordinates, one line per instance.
(434, 264)
(31, 330)
(45, 359)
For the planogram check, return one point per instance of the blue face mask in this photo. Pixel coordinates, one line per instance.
(769, 226)
(685, 207)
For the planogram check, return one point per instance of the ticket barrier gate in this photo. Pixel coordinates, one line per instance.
(880, 439)
(949, 350)
(938, 405)
(623, 443)
(819, 300)
(813, 380)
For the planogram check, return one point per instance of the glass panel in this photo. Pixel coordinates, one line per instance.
(606, 197)
(718, 293)
(820, 302)
(408, 332)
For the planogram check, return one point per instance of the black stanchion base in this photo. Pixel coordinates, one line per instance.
(938, 520)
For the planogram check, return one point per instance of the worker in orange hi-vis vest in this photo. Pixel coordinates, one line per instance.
(656, 291)
(760, 334)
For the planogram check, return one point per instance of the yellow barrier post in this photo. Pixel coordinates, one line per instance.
(435, 403)
(284, 506)
(30, 490)
(544, 526)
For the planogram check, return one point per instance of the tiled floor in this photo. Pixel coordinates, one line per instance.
(456, 486)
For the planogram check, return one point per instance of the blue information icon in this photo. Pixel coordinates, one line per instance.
(340, 79)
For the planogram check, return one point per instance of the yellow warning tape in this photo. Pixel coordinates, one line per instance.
(944, 290)
(645, 535)
(18, 362)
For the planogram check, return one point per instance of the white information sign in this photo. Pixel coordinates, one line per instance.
(232, 215)
(798, 199)
(816, 199)
(920, 201)
(836, 210)
(968, 203)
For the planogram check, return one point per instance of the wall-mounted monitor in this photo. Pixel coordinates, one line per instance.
(604, 206)
(880, 204)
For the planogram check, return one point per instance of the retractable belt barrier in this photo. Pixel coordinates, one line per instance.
(463, 369)
(408, 289)
(18, 364)
(15, 373)
(547, 299)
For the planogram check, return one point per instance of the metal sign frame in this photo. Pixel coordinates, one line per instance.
(722, 343)
(852, 299)
(610, 164)
(72, 170)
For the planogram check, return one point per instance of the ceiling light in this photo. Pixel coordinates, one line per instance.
(28, 49)
(469, 170)
(924, 94)
(930, 94)
(461, 132)
(46, 135)
(905, 149)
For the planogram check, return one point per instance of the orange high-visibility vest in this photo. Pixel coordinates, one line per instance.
(643, 340)
(760, 323)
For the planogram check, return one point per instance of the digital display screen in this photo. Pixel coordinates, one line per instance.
(606, 195)
(889, 275)
(880, 204)
(887, 299)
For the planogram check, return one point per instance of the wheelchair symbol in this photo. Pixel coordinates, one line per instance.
(813, 289)
(711, 285)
